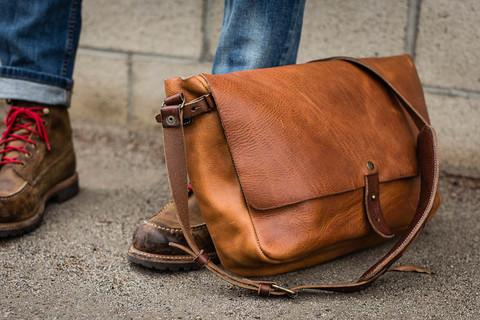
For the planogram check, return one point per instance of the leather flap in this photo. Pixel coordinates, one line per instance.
(307, 131)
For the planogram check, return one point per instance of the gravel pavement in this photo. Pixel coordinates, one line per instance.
(74, 265)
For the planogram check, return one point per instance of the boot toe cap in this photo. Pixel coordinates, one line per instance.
(154, 239)
(18, 206)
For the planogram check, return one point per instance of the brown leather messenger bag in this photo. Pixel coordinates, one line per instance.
(296, 165)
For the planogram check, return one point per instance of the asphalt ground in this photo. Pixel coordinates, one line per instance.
(75, 266)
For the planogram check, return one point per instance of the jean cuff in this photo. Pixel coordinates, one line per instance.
(21, 84)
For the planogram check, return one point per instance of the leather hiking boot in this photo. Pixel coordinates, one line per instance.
(150, 241)
(37, 164)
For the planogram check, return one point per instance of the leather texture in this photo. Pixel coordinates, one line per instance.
(373, 208)
(280, 170)
(44, 175)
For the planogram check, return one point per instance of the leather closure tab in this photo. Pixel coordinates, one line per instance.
(373, 208)
(202, 259)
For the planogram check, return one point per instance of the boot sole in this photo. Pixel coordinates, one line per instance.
(165, 262)
(61, 192)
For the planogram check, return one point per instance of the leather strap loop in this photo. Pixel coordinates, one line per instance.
(202, 259)
(428, 167)
(264, 290)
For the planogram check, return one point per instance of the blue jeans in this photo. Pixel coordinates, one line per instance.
(258, 34)
(39, 40)
(38, 43)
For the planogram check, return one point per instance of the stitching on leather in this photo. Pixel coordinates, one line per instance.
(152, 255)
(178, 230)
(60, 157)
(204, 82)
(161, 211)
(198, 226)
(200, 78)
(167, 257)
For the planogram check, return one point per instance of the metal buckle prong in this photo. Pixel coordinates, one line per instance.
(182, 104)
(291, 293)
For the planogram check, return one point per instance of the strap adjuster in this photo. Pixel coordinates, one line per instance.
(170, 112)
(202, 259)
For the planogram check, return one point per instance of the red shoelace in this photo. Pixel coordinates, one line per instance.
(13, 126)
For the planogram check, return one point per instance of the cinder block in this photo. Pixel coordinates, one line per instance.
(456, 121)
(448, 43)
(353, 28)
(214, 24)
(333, 28)
(168, 27)
(100, 90)
(148, 76)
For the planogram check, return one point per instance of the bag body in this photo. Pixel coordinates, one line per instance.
(297, 165)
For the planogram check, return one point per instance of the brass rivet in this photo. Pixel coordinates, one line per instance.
(373, 197)
(370, 165)
(46, 111)
(170, 120)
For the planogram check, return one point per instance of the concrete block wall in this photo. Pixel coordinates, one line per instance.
(128, 47)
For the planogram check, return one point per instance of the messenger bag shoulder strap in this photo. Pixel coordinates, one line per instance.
(172, 122)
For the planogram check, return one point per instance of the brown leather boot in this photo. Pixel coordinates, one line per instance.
(37, 164)
(150, 241)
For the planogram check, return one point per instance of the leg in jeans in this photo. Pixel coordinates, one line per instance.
(38, 42)
(259, 34)
(255, 34)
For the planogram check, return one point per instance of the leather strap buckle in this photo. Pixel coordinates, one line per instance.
(290, 293)
(171, 110)
(182, 105)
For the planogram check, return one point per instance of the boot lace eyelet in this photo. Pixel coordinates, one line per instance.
(28, 120)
